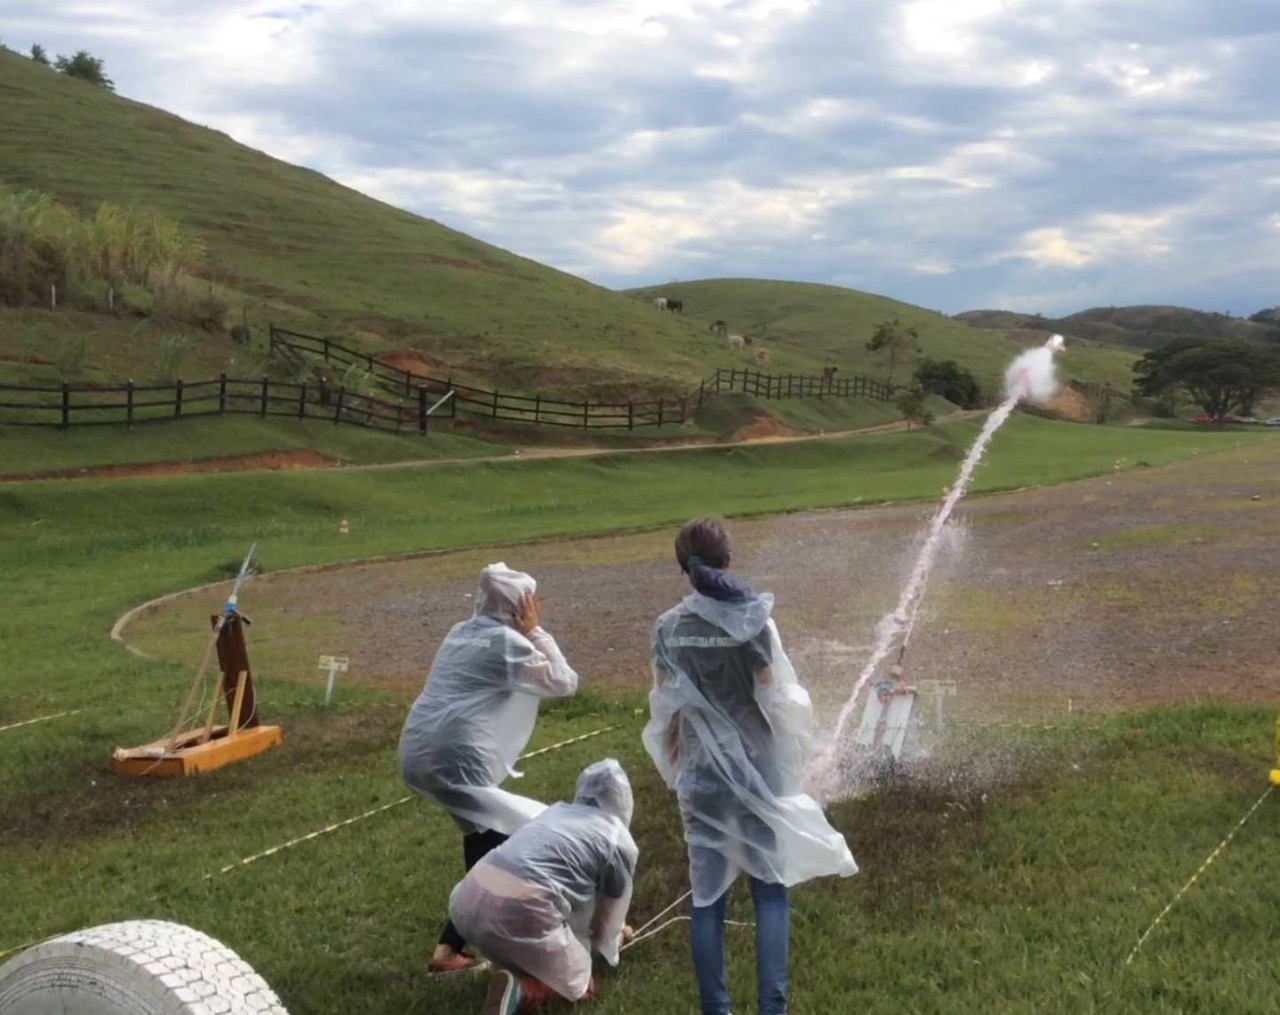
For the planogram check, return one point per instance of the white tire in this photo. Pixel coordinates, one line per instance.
(139, 967)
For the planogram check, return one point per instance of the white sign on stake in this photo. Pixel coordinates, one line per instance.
(334, 665)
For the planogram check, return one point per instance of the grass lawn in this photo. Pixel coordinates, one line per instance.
(45, 449)
(1026, 900)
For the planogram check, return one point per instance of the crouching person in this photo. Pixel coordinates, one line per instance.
(555, 892)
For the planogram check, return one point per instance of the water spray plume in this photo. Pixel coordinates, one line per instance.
(1031, 377)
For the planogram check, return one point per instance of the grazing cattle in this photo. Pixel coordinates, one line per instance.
(736, 341)
(748, 339)
(719, 327)
(675, 306)
(660, 303)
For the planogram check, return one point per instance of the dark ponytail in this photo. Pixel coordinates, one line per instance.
(702, 551)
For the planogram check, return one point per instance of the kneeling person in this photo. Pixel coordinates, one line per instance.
(552, 894)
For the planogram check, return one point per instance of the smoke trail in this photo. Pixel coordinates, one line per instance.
(1031, 376)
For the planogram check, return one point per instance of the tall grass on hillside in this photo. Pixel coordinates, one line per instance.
(122, 258)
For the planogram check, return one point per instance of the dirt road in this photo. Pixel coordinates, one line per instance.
(1150, 586)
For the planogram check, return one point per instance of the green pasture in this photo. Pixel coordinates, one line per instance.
(1020, 897)
(800, 323)
(288, 245)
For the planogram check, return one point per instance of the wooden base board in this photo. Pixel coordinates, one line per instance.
(190, 757)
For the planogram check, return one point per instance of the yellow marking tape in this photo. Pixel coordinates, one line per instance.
(28, 722)
(386, 807)
(1203, 867)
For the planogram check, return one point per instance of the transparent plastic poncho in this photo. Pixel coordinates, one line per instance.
(559, 888)
(729, 729)
(477, 711)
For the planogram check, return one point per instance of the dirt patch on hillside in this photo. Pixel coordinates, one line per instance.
(270, 460)
(761, 426)
(1072, 406)
(1153, 586)
(13, 357)
(411, 361)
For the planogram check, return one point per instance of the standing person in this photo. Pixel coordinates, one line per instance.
(473, 719)
(728, 730)
(555, 892)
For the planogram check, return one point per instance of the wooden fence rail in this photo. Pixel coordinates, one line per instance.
(69, 405)
(406, 404)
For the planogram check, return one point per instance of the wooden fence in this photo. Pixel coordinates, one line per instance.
(69, 405)
(491, 404)
(775, 386)
(406, 404)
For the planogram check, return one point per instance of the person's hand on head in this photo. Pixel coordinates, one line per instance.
(529, 614)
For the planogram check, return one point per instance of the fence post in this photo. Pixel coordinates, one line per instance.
(302, 400)
(495, 403)
(733, 378)
(128, 407)
(453, 402)
(263, 407)
(631, 419)
(820, 387)
(66, 405)
(222, 395)
(422, 409)
(177, 398)
(337, 408)
(682, 412)
(537, 407)
(369, 358)
(702, 384)
(326, 350)
(659, 412)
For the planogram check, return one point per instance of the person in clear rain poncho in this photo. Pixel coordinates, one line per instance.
(558, 890)
(473, 719)
(729, 728)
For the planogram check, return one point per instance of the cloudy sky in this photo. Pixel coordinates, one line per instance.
(1037, 155)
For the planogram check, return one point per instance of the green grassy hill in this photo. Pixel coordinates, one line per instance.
(803, 325)
(292, 246)
(287, 245)
(1140, 327)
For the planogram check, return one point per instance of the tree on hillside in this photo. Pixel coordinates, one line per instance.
(896, 341)
(86, 67)
(1218, 375)
(910, 403)
(950, 380)
(38, 55)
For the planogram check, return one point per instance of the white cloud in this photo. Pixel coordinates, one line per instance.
(953, 153)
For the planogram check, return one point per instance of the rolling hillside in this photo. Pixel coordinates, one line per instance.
(287, 245)
(801, 323)
(1139, 328)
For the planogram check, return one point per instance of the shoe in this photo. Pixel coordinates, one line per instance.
(534, 996)
(460, 962)
(504, 995)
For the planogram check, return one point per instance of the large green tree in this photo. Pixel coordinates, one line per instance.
(950, 380)
(87, 67)
(896, 341)
(1219, 376)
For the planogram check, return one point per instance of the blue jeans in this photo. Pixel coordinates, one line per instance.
(773, 945)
